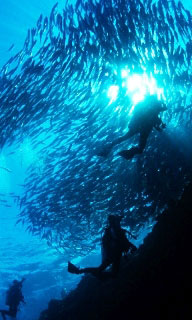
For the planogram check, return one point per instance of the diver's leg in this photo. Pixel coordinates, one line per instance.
(107, 149)
(143, 140)
(110, 274)
(128, 135)
(129, 154)
(13, 311)
(94, 270)
(3, 313)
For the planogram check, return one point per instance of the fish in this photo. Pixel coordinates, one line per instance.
(6, 169)
(55, 90)
(39, 22)
(11, 47)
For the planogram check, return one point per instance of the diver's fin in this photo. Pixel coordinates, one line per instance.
(127, 154)
(72, 268)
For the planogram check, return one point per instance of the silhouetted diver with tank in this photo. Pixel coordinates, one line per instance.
(14, 297)
(114, 244)
(145, 117)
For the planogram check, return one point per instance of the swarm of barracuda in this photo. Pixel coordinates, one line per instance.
(54, 91)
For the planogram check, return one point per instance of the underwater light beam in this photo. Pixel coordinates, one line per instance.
(113, 93)
(137, 85)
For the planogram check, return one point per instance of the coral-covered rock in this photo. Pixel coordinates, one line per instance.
(155, 283)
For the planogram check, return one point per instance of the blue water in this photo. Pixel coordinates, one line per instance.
(21, 253)
(24, 255)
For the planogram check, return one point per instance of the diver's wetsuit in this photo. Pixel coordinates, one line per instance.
(114, 243)
(14, 297)
(145, 118)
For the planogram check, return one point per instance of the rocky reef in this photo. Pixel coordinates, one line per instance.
(155, 283)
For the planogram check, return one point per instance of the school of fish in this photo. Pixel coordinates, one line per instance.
(54, 93)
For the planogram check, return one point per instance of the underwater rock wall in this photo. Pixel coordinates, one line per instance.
(154, 284)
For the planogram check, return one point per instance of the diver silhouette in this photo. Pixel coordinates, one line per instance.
(145, 117)
(14, 297)
(114, 244)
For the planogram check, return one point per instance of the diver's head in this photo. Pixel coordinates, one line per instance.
(16, 283)
(114, 220)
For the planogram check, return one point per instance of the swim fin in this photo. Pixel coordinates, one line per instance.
(72, 268)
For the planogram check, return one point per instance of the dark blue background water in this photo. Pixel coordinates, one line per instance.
(22, 254)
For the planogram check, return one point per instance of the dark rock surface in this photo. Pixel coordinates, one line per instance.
(155, 283)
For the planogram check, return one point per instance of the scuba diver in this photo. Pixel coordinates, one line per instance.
(13, 298)
(114, 244)
(145, 117)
